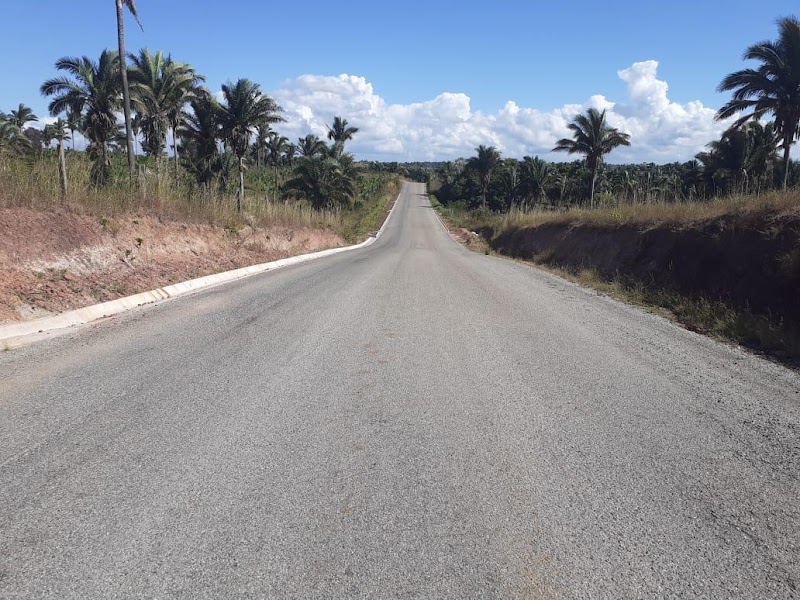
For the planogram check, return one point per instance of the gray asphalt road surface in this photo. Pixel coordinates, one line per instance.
(410, 420)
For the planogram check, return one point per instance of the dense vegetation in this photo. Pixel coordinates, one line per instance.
(178, 147)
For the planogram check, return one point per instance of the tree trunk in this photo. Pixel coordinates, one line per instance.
(591, 194)
(106, 164)
(123, 68)
(787, 146)
(158, 175)
(62, 170)
(175, 151)
(240, 197)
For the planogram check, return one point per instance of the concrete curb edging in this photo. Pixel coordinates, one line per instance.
(11, 335)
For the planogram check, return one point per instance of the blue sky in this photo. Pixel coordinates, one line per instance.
(548, 58)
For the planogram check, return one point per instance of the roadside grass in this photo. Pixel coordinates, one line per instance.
(741, 207)
(455, 219)
(716, 319)
(33, 183)
(457, 214)
(368, 216)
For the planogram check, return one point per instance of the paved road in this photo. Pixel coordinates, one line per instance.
(406, 420)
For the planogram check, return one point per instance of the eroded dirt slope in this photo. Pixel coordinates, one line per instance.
(56, 260)
(749, 262)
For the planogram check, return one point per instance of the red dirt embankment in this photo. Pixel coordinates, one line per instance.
(748, 261)
(56, 260)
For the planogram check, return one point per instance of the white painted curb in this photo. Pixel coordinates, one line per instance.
(10, 334)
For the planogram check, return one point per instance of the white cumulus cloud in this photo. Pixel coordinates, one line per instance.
(446, 127)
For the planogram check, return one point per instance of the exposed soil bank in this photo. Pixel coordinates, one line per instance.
(56, 260)
(749, 262)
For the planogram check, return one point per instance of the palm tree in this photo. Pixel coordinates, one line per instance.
(340, 133)
(94, 92)
(199, 134)
(260, 142)
(311, 145)
(21, 117)
(289, 154)
(47, 136)
(12, 139)
(510, 182)
(244, 108)
(123, 70)
(185, 88)
(276, 146)
(73, 123)
(692, 182)
(535, 176)
(484, 164)
(149, 90)
(325, 182)
(593, 138)
(772, 88)
(160, 88)
(741, 155)
(58, 132)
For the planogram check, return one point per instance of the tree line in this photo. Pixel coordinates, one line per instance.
(215, 139)
(744, 160)
(164, 102)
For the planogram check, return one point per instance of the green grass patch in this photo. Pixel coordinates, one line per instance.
(369, 212)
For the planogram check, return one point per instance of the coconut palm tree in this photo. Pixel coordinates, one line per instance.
(73, 124)
(289, 154)
(94, 92)
(244, 107)
(58, 132)
(535, 174)
(47, 136)
(761, 153)
(593, 138)
(21, 117)
(484, 164)
(276, 146)
(199, 134)
(510, 183)
(323, 181)
(160, 89)
(184, 89)
(311, 145)
(773, 88)
(12, 140)
(340, 133)
(123, 71)
(741, 156)
(149, 91)
(260, 142)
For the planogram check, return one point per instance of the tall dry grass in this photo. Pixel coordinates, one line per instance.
(743, 207)
(32, 182)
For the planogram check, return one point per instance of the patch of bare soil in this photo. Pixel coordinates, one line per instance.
(57, 260)
(470, 239)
